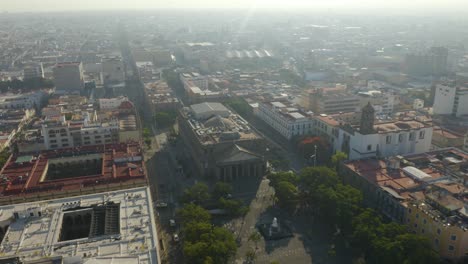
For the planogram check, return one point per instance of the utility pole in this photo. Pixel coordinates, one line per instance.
(315, 156)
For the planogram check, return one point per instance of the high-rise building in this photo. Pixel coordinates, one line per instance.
(112, 70)
(33, 71)
(68, 76)
(433, 62)
(332, 100)
(450, 99)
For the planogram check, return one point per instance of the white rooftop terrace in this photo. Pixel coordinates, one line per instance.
(34, 230)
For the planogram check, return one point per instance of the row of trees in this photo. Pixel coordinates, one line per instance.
(219, 198)
(240, 106)
(204, 243)
(319, 193)
(4, 155)
(165, 119)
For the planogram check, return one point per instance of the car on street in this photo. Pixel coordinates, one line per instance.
(161, 204)
(172, 223)
(175, 237)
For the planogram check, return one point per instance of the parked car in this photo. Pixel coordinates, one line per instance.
(172, 223)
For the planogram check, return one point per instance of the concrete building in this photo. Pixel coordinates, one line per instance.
(418, 104)
(112, 70)
(220, 143)
(68, 76)
(332, 100)
(195, 51)
(444, 138)
(22, 100)
(365, 138)
(432, 62)
(425, 192)
(64, 134)
(161, 97)
(450, 99)
(108, 227)
(111, 103)
(33, 71)
(72, 172)
(72, 121)
(285, 118)
(198, 90)
(383, 102)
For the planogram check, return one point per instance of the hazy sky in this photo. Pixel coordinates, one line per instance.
(58, 5)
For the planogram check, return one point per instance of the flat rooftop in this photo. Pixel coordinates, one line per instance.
(72, 169)
(225, 126)
(36, 230)
(287, 109)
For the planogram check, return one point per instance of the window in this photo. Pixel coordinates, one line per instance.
(417, 215)
(438, 231)
(65, 145)
(412, 136)
(424, 221)
(389, 139)
(64, 139)
(415, 225)
(453, 237)
(400, 137)
(451, 248)
(97, 137)
(98, 141)
(421, 134)
(53, 141)
(86, 138)
(369, 147)
(436, 241)
(87, 143)
(422, 231)
(53, 146)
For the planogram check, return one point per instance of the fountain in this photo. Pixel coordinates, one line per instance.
(274, 230)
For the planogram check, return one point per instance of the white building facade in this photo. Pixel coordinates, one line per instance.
(21, 101)
(286, 120)
(450, 100)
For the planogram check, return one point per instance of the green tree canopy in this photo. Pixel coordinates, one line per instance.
(288, 195)
(198, 193)
(312, 177)
(216, 246)
(337, 158)
(278, 177)
(193, 213)
(4, 155)
(165, 119)
(221, 190)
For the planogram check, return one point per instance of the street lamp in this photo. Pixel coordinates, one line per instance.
(314, 156)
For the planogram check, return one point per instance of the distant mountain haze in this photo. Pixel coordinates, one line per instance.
(419, 6)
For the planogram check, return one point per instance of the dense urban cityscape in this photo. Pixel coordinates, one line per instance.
(233, 136)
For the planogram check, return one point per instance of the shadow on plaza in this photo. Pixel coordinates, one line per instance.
(285, 223)
(315, 237)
